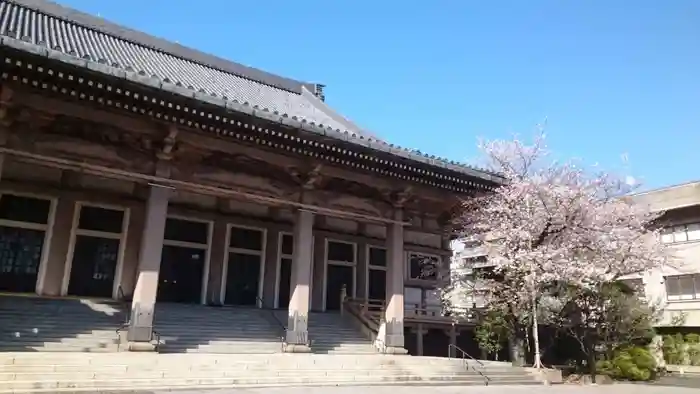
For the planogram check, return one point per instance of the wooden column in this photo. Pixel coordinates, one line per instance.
(143, 305)
(394, 313)
(298, 318)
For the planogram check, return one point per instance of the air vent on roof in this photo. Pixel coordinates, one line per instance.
(318, 91)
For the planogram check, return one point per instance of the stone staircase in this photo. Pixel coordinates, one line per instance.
(71, 372)
(331, 333)
(200, 329)
(87, 325)
(59, 325)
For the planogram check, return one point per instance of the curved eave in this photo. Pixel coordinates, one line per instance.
(432, 162)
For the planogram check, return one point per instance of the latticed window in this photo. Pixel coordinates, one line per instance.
(683, 287)
(423, 266)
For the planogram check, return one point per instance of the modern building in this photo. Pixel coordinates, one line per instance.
(137, 169)
(676, 288)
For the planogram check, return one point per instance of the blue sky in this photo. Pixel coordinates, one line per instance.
(612, 78)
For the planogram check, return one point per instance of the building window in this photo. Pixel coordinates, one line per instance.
(413, 299)
(92, 270)
(341, 260)
(681, 233)
(423, 266)
(433, 301)
(376, 273)
(183, 267)
(683, 287)
(24, 223)
(244, 268)
(474, 262)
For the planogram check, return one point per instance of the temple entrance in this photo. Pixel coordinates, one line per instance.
(341, 260)
(24, 223)
(244, 267)
(284, 274)
(95, 252)
(376, 273)
(180, 277)
(184, 262)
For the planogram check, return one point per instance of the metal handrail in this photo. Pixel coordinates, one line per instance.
(360, 310)
(127, 305)
(465, 357)
(283, 337)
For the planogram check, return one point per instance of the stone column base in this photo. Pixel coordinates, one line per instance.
(141, 347)
(396, 350)
(296, 348)
(394, 340)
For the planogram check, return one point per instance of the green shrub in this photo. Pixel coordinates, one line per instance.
(692, 338)
(634, 363)
(675, 349)
(694, 354)
(673, 355)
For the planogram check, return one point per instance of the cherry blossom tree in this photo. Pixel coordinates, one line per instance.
(553, 222)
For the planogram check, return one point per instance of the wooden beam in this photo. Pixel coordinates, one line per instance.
(188, 186)
(211, 142)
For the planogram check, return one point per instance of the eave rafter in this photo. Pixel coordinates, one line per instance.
(122, 96)
(5, 104)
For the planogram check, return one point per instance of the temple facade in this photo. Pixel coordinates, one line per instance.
(136, 169)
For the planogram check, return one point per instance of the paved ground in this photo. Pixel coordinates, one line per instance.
(558, 389)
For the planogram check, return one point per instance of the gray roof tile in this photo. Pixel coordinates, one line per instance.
(101, 45)
(44, 29)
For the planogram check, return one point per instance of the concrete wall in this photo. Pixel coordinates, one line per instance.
(673, 197)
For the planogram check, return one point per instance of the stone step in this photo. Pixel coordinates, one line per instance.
(336, 341)
(66, 349)
(63, 341)
(65, 326)
(228, 350)
(321, 372)
(227, 339)
(231, 382)
(315, 345)
(219, 328)
(340, 352)
(85, 375)
(58, 317)
(201, 370)
(191, 332)
(56, 335)
(189, 367)
(66, 312)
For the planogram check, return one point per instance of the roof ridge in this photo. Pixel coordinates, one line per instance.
(102, 25)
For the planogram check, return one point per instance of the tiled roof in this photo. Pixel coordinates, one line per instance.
(52, 28)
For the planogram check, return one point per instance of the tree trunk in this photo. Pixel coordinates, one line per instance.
(592, 370)
(592, 367)
(536, 337)
(516, 346)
